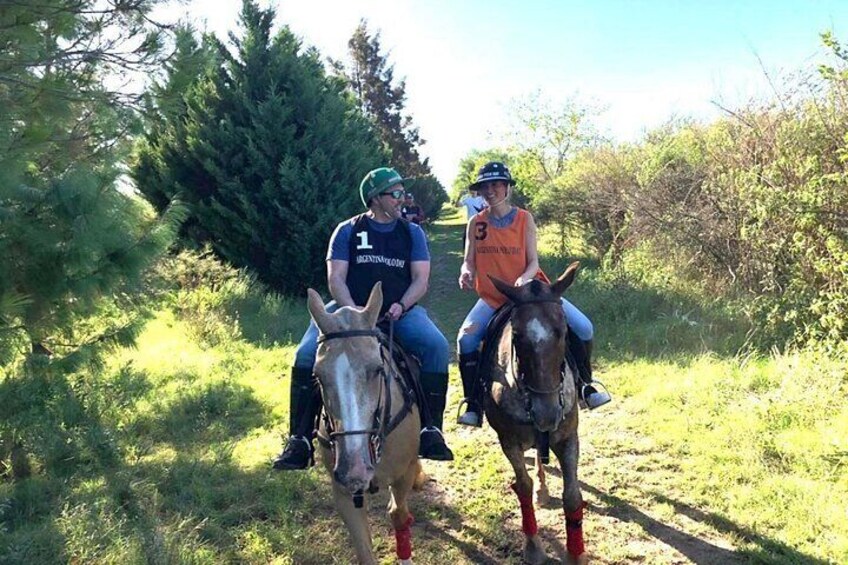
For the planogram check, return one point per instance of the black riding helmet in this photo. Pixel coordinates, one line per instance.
(493, 170)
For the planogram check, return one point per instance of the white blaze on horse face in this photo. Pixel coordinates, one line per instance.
(537, 332)
(347, 384)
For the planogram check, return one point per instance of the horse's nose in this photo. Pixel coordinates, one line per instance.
(546, 415)
(354, 473)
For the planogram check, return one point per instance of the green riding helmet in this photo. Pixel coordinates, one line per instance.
(377, 181)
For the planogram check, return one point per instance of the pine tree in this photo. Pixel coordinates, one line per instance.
(371, 79)
(73, 247)
(268, 155)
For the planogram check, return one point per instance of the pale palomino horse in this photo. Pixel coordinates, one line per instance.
(532, 391)
(369, 435)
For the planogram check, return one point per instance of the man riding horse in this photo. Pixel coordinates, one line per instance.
(375, 246)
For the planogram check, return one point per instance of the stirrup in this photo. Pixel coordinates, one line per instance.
(591, 397)
(433, 445)
(469, 417)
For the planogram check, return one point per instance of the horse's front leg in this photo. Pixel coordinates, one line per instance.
(534, 550)
(399, 512)
(356, 520)
(567, 451)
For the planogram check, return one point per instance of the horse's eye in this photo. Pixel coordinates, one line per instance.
(557, 333)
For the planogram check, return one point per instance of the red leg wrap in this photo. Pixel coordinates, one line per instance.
(528, 514)
(574, 532)
(403, 539)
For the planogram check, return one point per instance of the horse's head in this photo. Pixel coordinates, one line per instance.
(351, 374)
(539, 340)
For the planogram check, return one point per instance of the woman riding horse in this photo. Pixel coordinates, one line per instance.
(501, 242)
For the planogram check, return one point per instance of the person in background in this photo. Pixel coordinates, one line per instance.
(412, 211)
(501, 241)
(473, 203)
(375, 246)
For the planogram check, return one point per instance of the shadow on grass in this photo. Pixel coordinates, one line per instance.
(267, 319)
(769, 550)
(503, 543)
(447, 522)
(694, 548)
(216, 412)
(30, 541)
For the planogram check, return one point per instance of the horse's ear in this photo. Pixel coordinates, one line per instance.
(507, 290)
(375, 303)
(315, 305)
(565, 279)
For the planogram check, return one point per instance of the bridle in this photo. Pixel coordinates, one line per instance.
(520, 380)
(383, 423)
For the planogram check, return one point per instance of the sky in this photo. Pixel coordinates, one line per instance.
(466, 62)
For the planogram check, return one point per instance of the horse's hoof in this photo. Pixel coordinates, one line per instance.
(534, 551)
(582, 559)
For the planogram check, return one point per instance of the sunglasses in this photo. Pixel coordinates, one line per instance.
(396, 194)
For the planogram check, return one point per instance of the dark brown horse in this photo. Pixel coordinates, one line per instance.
(369, 437)
(533, 392)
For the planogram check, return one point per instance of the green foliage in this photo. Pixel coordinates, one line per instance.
(750, 207)
(430, 195)
(372, 81)
(545, 137)
(750, 204)
(267, 153)
(191, 428)
(222, 305)
(74, 244)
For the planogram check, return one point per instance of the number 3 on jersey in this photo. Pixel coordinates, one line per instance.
(482, 228)
(363, 240)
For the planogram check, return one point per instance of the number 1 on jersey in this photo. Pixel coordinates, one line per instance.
(363, 240)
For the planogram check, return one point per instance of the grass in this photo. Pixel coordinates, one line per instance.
(705, 456)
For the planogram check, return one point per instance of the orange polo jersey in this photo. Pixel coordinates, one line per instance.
(500, 252)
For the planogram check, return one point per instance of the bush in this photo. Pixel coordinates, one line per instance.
(751, 207)
(222, 304)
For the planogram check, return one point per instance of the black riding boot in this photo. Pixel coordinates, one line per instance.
(582, 352)
(433, 446)
(473, 415)
(305, 406)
